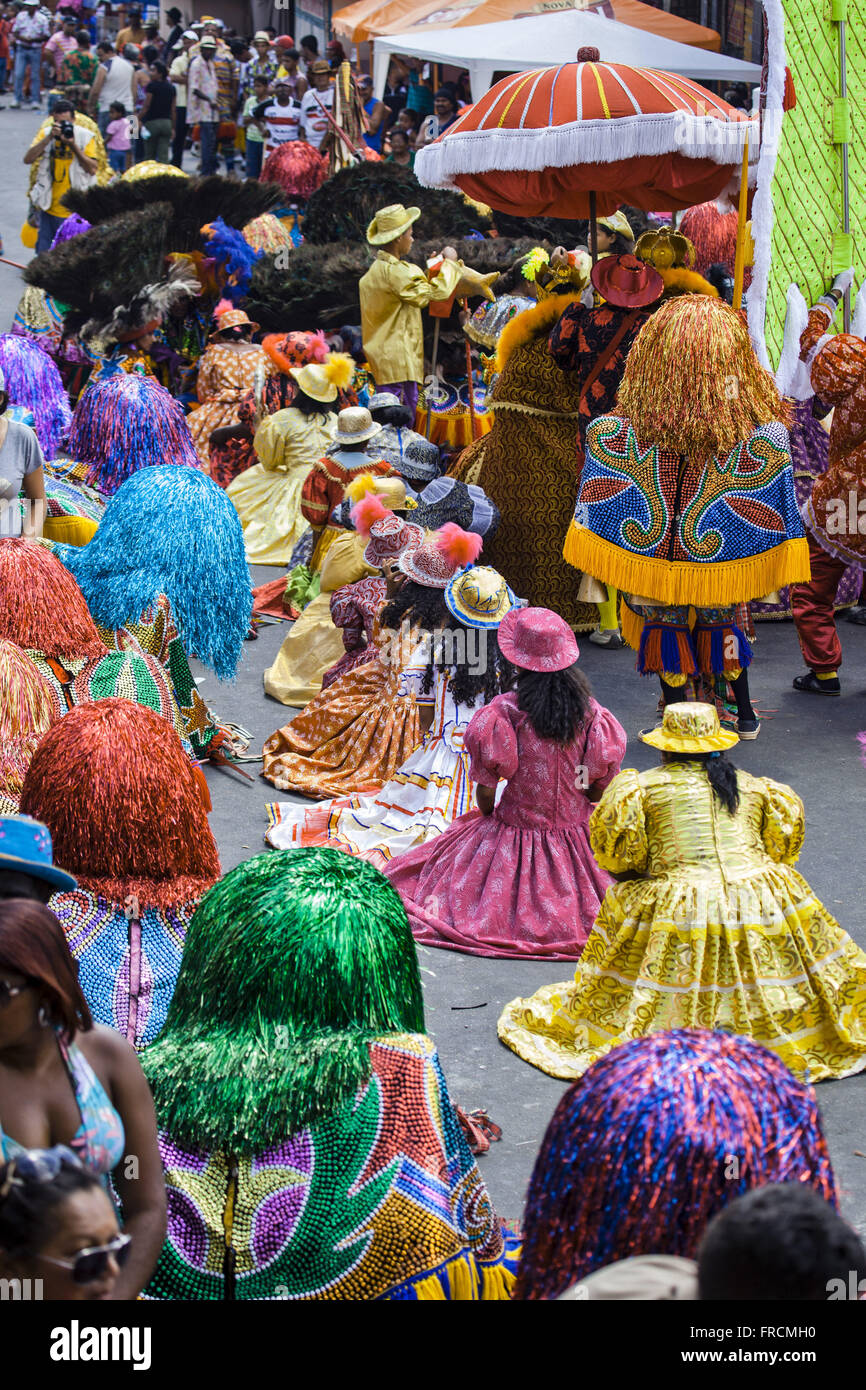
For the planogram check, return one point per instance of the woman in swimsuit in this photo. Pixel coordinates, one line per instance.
(64, 1080)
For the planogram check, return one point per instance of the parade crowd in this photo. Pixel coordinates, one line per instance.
(454, 461)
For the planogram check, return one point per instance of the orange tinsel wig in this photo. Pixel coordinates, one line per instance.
(41, 606)
(692, 382)
(123, 804)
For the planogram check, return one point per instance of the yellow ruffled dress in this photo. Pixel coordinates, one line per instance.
(267, 497)
(719, 932)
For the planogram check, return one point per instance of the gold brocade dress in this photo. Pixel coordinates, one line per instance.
(719, 932)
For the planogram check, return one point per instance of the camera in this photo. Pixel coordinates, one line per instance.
(67, 130)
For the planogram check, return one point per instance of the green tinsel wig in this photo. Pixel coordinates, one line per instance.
(293, 963)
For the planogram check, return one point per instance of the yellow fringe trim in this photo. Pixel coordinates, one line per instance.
(497, 1283)
(682, 581)
(430, 1290)
(632, 627)
(531, 324)
(678, 280)
(462, 1273)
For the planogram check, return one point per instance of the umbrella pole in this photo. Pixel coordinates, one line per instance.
(740, 259)
(471, 383)
(432, 377)
(593, 230)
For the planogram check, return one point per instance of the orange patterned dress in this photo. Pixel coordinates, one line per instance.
(226, 374)
(351, 738)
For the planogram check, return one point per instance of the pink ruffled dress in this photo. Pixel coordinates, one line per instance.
(521, 882)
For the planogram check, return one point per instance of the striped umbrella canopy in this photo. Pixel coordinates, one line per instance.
(579, 139)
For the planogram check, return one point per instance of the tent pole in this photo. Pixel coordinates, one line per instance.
(593, 230)
(470, 382)
(432, 378)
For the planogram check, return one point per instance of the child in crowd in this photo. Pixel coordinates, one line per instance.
(255, 138)
(117, 141)
(519, 879)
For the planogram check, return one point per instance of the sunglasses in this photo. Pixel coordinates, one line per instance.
(91, 1264)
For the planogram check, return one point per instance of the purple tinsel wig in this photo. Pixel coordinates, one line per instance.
(656, 1138)
(70, 227)
(33, 381)
(126, 422)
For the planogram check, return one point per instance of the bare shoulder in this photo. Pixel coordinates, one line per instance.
(110, 1055)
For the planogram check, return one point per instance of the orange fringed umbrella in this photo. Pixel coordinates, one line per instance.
(580, 139)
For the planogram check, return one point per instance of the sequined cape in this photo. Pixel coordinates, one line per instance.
(381, 1199)
(717, 931)
(128, 978)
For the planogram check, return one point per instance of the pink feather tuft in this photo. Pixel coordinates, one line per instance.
(222, 308)
(318, 348)
(861, 739)
(459, 546)
(369, 510)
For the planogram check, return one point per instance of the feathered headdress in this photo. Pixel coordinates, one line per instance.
(233, 255)
(340, 369)
(147, 308)
(287, 350)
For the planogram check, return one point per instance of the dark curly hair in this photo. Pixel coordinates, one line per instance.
(721, 773)
(557, 702)
(474, 659)
(307, 406)
(397, 415)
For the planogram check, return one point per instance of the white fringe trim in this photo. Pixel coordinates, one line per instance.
(582, 142)
(858, 318)
(762, 205)
(789, 379)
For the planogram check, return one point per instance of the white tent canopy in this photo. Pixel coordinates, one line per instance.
(545, 40)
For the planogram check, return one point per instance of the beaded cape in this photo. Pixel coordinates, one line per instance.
(379, 1199)
(679, 530)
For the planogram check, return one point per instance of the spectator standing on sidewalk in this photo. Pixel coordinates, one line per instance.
(255, 138)
(114, 82)
(118, 142)
(64, 162)
(202, 108)
(30, 31)
(178, 74)
(157, 114)
(61, 43)
(133, 33)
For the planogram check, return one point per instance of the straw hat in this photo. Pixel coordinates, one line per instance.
(617, 222)
(626, 282)
(536, 639)
(355, 424)
(261, 37)
(690, 727)
(389, 538)
(231, 318)
(390, 222)
(479, 597)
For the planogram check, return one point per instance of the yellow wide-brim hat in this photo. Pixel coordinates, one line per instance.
(690, 727)
(617, 222)
(391, 222)
(315, 382)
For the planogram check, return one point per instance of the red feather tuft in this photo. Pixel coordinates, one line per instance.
(223, 308)
(459, 546)
(369, 510)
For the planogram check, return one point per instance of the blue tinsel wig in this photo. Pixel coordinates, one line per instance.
(127, 422)
(235, 257)
(170, 531)
(656, 1138)
(33, 381)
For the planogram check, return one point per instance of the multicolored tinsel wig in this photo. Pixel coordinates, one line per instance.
(234, 255)
(26, 712)
(33, 381)
(171, 531)
(692, 382)
(656, 1138)
(41, 606)
(124, 805)
(293, 964)
(127, 422)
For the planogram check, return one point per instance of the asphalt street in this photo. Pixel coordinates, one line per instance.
(806, 741)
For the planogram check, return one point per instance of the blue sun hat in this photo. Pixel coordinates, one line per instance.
(25, 848)
(479, 597)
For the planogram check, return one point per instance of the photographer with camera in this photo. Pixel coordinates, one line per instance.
(66, 155)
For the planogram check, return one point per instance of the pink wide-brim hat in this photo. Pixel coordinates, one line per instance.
(536, 639)
(389, 538)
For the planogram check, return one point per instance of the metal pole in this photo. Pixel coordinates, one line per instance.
(846, 222)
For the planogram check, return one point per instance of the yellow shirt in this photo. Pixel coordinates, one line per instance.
(393, 293)
(60, 186)
(288, 439)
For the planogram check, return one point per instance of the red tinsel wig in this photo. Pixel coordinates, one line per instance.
(41, 606)
(122, 801)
